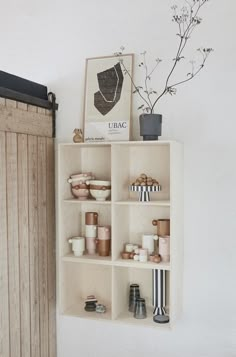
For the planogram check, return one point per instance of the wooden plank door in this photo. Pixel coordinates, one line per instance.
(27, 234)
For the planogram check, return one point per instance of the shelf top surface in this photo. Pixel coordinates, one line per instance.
(124, 317)
(129, 263)
(128, 202)
(114, 143)
(89, 259)
(97, 260)
(78, 311)
(127, 318)
(75, 200)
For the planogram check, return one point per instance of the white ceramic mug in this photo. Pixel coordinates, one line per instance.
(164, 248)
(90, 231)
(136, 257)
(143, 251)
(148, 242)
(78, 245)
(143, 255)
(129, 247)
(143, 258)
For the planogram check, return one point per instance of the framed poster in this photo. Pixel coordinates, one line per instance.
(107, 98)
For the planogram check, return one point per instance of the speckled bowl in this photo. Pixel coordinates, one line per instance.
(100, 190)
(80, 185)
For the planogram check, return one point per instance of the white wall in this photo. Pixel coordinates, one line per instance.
(48, 41)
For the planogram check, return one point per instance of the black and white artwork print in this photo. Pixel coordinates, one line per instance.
(107, 108)
(110, 84)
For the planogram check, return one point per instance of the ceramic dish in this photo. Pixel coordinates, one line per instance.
(80, 185)
(100, 190)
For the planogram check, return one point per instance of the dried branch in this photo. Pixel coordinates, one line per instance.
(187, 19)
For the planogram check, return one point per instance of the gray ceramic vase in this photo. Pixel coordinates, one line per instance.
(150, 126)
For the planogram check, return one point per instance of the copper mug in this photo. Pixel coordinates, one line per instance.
(91, 218)
(163, 226)
(103, 247)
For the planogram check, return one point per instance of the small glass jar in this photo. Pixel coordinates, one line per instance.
(140, 311)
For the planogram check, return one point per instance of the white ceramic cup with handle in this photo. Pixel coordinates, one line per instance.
(148, 242)
(78, 245)
(90, 231)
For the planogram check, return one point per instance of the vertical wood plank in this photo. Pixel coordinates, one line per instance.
(13, 251)
(33, 243)
(4, 312)
(24, 244)
(27, 239)
(51, 247)
(43, 266)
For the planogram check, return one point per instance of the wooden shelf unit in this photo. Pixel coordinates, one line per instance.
(108, 278)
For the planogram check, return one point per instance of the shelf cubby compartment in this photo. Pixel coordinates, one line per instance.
(123, 277)
(134, 159)
(130, 223)
(73, 219)
(79, 158)
(80, 280)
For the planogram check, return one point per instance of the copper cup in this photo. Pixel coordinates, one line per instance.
(163, 226)
(91, 218)
(103, 247)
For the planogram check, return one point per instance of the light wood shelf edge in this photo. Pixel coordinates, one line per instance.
(87, 259)
(129, 202)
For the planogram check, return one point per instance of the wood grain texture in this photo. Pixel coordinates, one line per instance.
(2, 101)
(51, 246)
(23, 216)
(34, 243)
(13, 243)
(43, 247)
(25, 122)
(27, 233)
(10, 103)
(4, 311)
